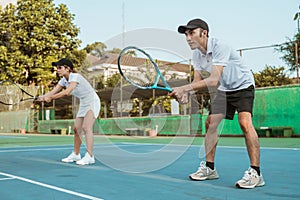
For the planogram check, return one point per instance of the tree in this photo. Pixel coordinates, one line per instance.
(113, 80)
(289, 48)
(115, 50)
(99, 81)
(289, 51)
(271, 76)
(96, 49)
(35, 34)
(297, 18)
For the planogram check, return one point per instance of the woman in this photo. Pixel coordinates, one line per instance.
(89, 108)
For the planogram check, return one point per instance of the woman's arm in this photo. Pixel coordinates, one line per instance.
(55, 90)
(63, 93)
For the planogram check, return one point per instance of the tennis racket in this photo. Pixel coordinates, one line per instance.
(12, 93)
(139, 69)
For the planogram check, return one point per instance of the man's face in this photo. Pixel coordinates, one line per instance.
(196, 38)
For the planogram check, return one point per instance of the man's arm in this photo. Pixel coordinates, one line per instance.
(199, 83)
(197, 76)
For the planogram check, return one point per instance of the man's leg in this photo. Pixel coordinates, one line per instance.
(252, 143)
(211, 136)
(252, 177)
(206, 171)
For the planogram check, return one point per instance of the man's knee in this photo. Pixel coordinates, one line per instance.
(246, 126)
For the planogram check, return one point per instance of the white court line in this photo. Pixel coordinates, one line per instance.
(197, 146)
(126, 144)
(3, 179)
(15, 149)
(51, 187)
(37, 148)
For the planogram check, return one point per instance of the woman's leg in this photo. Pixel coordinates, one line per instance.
(87, 126)
(77, 134)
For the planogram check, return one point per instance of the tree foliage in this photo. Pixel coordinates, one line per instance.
(113, 80)
(289, 52)
(289, 48)
(96, 49)
(33, 34)
(271, 76)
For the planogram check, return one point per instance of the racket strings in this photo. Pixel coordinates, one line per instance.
(139, 70)
(10, 94)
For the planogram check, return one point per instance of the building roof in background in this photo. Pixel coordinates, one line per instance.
(112, 58)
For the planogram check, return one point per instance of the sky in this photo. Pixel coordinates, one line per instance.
(240, 23)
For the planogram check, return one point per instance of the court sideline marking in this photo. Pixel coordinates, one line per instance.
(126, 144)
(50, 186)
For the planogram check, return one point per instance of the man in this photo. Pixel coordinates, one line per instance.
(235, 92)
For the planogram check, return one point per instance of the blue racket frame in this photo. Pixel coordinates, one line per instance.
(158, 77)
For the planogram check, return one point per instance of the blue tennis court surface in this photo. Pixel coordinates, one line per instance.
(37, 173)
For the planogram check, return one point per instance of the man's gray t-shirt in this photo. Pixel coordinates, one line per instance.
(235, 75)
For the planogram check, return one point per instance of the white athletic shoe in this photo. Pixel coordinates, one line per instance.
(71, 158)
(204, 173)
(250, 180)
(86, 160)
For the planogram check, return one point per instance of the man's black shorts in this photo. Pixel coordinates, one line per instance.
(229, 102)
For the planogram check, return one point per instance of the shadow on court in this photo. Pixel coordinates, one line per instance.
(35, 172)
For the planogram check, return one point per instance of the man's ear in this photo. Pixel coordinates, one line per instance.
(204, 32)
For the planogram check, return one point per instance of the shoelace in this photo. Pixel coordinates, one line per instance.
(247, 175)
(202, 168)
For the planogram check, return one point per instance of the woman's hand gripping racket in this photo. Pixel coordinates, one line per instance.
(139, 69)
(13, 94)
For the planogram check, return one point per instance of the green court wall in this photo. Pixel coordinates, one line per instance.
(45, 126)
(273, 107)
(167, 125)
(278, 106)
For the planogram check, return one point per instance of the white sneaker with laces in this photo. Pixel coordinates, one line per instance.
(86, 160)
(71, 158)
(204, 173)
(250, 180)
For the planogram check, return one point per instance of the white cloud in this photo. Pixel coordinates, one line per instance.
(3, 3)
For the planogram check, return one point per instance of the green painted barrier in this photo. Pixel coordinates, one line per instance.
(276, 107)
(167, 125)
(56, 126)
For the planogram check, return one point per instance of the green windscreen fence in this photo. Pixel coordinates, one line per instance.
(278, 107)
(166, 125)
(275, 109)
(56, 126)
(15, 121)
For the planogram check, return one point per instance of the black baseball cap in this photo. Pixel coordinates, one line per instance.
(194, 23)
(63, 61)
